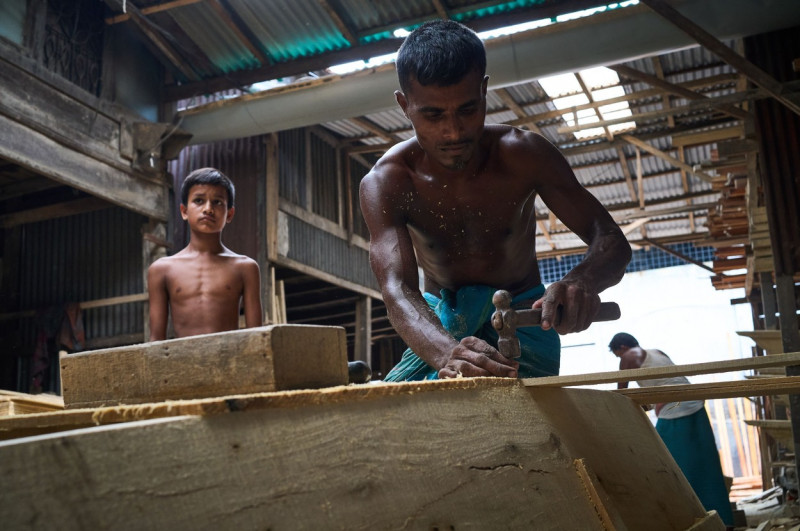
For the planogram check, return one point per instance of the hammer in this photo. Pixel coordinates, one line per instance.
(506, 320)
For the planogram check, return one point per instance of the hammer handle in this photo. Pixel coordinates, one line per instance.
(608, 311)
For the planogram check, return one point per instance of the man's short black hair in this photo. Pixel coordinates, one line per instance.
(207, 176)
(622, 339)
(440, 52)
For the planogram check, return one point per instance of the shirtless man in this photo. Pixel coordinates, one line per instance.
(204, 284)
(457, 201)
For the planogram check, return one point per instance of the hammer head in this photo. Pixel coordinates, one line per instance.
(504, 320)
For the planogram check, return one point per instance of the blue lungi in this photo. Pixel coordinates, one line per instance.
(468, 312)
(690, 440)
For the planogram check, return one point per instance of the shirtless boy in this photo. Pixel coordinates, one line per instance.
(457, 201)
(204, 285)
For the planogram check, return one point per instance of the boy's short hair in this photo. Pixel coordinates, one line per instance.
(622, 339)
(207, 176)
(440, 52)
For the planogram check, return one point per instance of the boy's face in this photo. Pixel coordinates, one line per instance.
(207, 210)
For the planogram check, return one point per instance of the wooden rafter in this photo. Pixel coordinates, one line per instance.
(508, 100)
(149, 10)
(671, 88)
(714, 45)
(692, 106)
(374, 129)
(347, 33)
(640, 95)
(238, 29)
(155, 38)
(665, 101)
(441, 11)
(672, 160)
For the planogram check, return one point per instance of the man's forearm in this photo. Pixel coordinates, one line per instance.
(604, 263)
(419, 326)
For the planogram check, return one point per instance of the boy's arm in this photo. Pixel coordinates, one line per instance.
(251, 298)
(159, 301)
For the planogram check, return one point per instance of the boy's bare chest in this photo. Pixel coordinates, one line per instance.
(204, 280)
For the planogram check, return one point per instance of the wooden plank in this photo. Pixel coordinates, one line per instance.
(741, 64)
(40, 153)
(59, 210)
(14, 403)
(254, 360)
(707, 391)
(345, 459)
(31, 101)
(630, 375)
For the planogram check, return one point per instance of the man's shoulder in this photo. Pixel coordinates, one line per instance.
(395, 167)
(513, 138)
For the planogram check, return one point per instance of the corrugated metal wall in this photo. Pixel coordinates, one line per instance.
(90, 256)
(325, 179)
(243, 161)
(326, 252)
(292, 166)
(778, 130)
(79, 258)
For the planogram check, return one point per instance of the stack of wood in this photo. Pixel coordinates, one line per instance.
(761, 260)
(14, 403)
(729, 231)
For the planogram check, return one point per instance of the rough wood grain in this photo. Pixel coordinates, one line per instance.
(650, 373)
(268, 358)
(477, 454)
(711, 390)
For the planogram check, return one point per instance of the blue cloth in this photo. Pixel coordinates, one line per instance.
(690, 440)
(468, 312)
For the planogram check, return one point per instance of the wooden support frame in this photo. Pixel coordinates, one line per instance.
(515, 469)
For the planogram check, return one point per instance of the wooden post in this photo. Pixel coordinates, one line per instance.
(262, 234)
(154, 234)
(768, 301)
(363, 332)
(791, 343)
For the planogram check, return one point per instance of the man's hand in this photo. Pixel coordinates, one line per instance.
(476, 357)
(567, 307)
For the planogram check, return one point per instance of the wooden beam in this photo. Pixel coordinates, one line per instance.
(508, 100)
(696, 138)
(225, 16)
(640, 95)
(672, 160)
(59, 210)
(47, 157)
(441, 11)
(374, 129)
(514, 468)
(692, 106)
(345, 30)
(779, 385)
(678, 255)
(116, 19)
(665, 101)
(650, 373)
(672, 88)
(96, 303)
(154, 37)
(237, 362)
(714, 45)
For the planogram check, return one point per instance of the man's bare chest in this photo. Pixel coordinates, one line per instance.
(473, 218)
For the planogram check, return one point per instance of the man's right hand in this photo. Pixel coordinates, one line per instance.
(475, 357)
